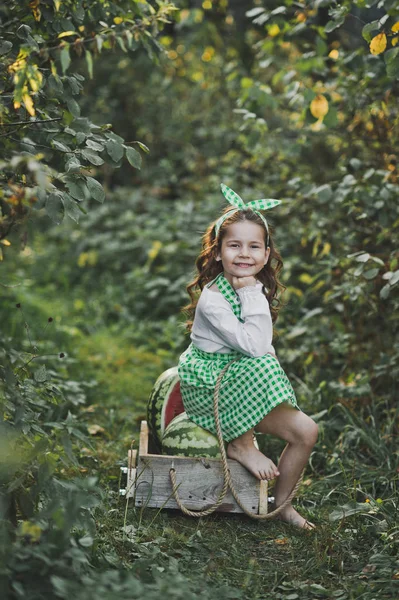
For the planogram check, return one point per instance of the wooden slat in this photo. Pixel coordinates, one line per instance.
(131, 483)
(131, 459)
(200, 483)
(263, 498)
(143, 445)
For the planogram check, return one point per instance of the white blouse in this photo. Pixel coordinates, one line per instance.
(217, 329)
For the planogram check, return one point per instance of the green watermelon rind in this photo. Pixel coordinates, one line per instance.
(177, 440)
(156, 402)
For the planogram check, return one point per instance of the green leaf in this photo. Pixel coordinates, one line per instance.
(92, 157)
(73, 107)
(86, 541)
(363, 257)
(394, 279)
(254, 12)
(371, 273)
(72, 209)
(77, 188)
(334, 24)
(60, 146)
(121, 43)
(368, 28)
(40, 374)
(384, 292)
(115, 137)
(133, 157)
(390, 55)
(349, 509)
(143, 147)
(324, 192)
(65, 58)
(94, 145)
(55, 207)
(96, 189)
(80, 137)
(72, 165)
(393, 68)
(5, 47)
(89, 63)
(115, 150)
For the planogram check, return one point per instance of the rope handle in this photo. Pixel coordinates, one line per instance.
(227, 482)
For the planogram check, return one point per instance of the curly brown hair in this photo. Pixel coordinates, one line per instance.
(208, 267)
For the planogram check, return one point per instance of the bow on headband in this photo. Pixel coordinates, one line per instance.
(235, 200)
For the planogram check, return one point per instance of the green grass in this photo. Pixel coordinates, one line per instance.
(349, 491)
(349, 558)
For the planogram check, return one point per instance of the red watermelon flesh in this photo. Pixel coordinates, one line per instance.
(172, 407)
(164, 403)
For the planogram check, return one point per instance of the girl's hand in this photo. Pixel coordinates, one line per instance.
(240, 282)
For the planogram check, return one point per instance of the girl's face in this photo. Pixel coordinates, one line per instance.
(243, 252)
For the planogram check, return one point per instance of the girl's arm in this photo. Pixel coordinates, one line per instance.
(254, 336)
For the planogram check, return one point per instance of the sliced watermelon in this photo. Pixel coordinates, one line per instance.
(164, 404)
(183, 437)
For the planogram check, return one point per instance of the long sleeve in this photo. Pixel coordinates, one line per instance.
(215, 323)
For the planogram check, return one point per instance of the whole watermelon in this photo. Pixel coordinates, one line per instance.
(183, 437)
(165, 402)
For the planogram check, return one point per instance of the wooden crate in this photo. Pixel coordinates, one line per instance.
(200, 481)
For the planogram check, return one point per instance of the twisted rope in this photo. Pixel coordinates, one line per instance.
(227, 482)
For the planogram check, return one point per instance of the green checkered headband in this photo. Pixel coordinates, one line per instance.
(239, 204)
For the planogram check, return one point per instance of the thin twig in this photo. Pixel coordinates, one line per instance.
(29, 122)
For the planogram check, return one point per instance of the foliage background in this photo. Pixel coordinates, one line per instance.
(290, 100)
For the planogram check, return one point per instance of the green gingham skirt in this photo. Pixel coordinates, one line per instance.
(250, 389)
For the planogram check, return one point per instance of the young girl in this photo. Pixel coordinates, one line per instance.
(233, 319)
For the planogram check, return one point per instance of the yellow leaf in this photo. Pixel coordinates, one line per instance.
(154, 251)
(118, 20)
(395, 27)
(316, 246)
(30, 530)
(305, 278)
(309, 359)
(5, 242)
(94, 429)
(274, 30)
(66, 34)
(334, 54)
(378, 43)
(34, 5)
(394, 41)
(296, 291)
(281, 541)
(319, 106)
(326, 249)
(28, 104)
(57, 4)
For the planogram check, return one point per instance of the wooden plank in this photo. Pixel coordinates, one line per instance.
(131, 459)
(143, 444)
(201, 481)
(131, 483)
(263, 498)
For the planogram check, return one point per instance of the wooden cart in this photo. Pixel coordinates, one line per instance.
(200, 481)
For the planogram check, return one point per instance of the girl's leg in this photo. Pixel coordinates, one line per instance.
(300, 431)
(244, 451)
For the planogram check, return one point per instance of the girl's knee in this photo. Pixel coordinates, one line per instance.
(307, 431)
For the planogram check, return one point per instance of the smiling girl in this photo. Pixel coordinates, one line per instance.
(233, 321)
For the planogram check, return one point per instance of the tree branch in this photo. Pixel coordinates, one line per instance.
(29, 122)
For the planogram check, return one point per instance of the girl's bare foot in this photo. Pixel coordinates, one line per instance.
(292, 516)
(252, 459)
